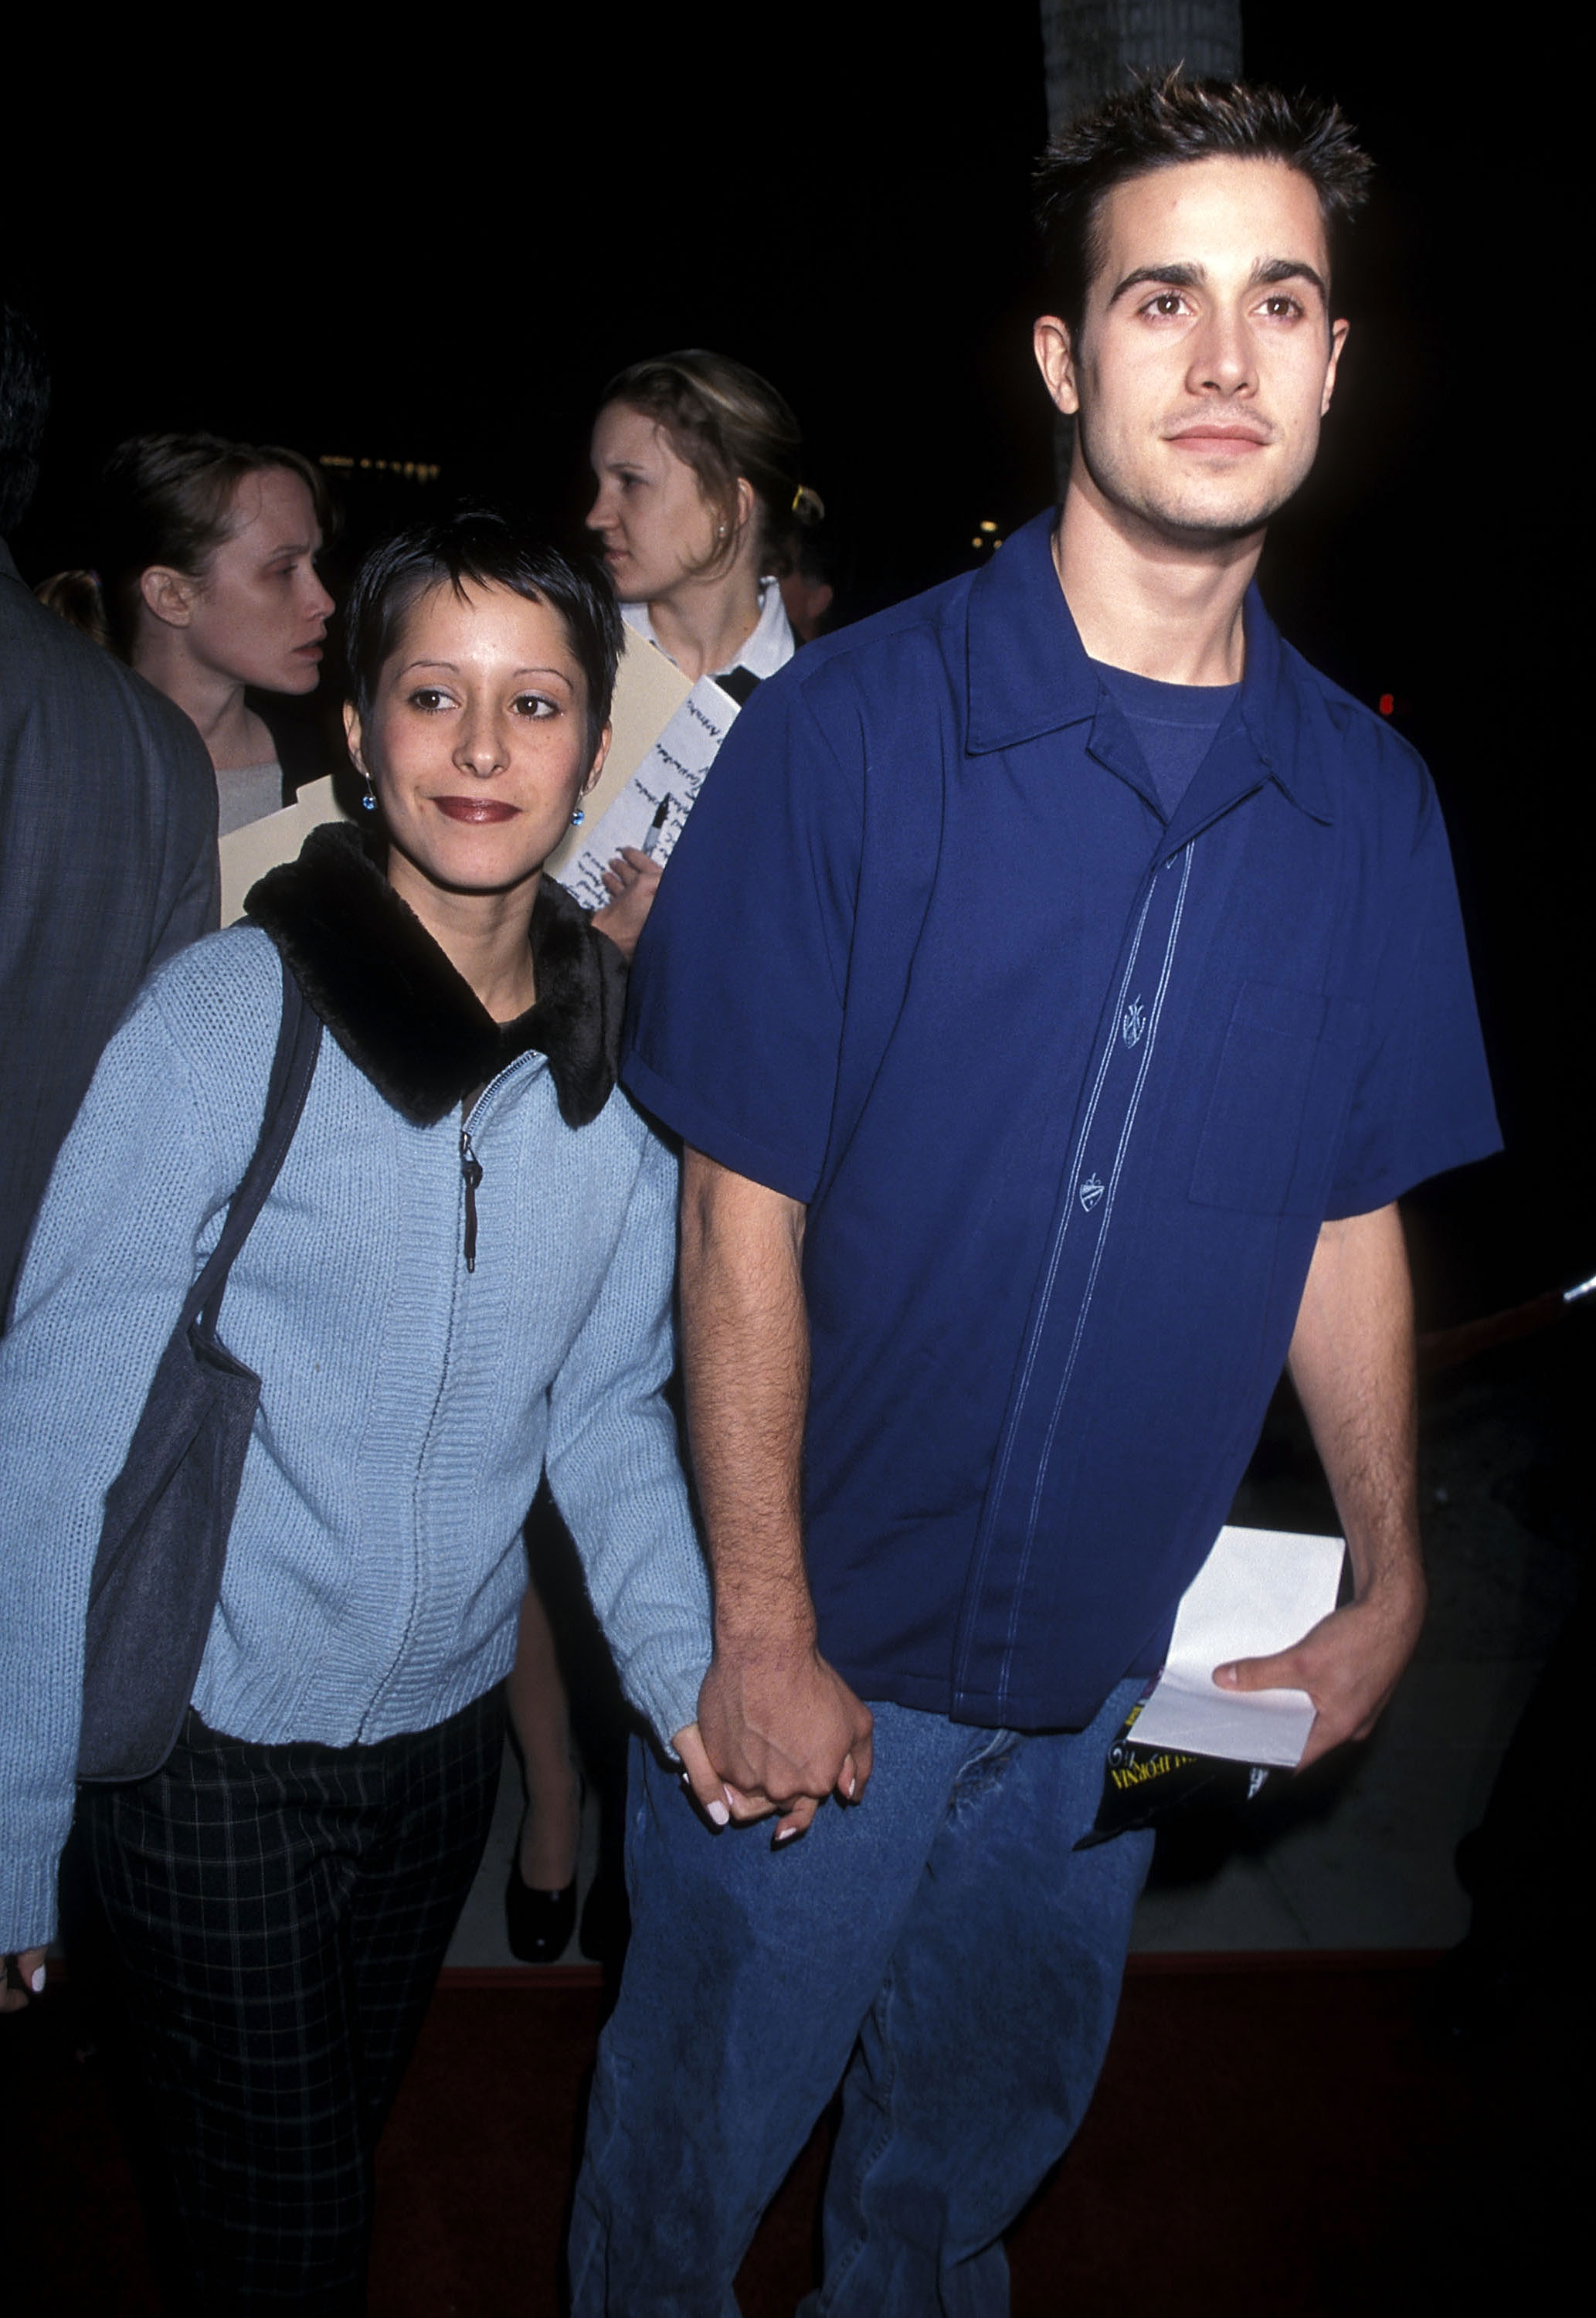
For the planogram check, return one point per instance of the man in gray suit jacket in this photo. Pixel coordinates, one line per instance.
(107, 855)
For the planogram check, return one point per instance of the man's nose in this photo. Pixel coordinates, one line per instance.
(1222, 356)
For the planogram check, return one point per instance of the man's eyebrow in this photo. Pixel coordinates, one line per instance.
(1289, 269)
(1179, 276)
(1182, 275)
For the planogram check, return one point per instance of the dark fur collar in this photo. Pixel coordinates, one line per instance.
(399, 1009)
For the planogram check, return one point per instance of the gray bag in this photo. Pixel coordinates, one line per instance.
(163, 1542)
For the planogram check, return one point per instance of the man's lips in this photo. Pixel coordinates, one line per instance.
(1218, 438)
(478, 811)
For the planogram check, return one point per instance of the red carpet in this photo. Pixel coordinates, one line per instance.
(1271, 2137)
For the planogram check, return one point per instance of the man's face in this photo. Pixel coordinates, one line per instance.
(1206, 355)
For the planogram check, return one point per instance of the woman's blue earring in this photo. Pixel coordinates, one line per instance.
(577, 818)
(369, 801)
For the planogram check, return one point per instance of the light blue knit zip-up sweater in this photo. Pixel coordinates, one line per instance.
(375, 1565)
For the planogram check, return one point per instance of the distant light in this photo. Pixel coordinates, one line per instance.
(989, 527)
(978, 540)
(1387, 703)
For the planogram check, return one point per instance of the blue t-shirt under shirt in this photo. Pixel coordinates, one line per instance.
(1174, 725)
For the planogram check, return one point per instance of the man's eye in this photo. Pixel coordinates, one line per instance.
(1282, 307)
(1168, 302)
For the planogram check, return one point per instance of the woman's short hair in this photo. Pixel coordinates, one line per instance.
(480, 547)
(726, 421)
(168, 500)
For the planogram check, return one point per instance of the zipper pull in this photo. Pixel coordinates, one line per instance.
(471, 1167)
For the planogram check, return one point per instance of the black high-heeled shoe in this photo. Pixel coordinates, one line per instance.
(539, 1922)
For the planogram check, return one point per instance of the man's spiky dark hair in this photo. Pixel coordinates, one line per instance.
(1158, 123)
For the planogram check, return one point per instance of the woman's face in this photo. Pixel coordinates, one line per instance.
(259, 613)
(477, 744)
(655, 526)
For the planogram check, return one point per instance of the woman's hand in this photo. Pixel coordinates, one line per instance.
(21, 1980)
(721, 1805)
(634, 880)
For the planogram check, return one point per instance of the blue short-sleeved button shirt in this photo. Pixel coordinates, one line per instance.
(1068, 1090)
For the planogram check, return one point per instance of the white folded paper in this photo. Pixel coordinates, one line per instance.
(652, 811)
(649, 691)
(247, 853)
(1258, 1591)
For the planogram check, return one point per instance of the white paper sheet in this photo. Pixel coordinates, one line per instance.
(651, 810)
(247, 853)
(649, 690)
(1258, 1591)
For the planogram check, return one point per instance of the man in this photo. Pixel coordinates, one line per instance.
(1054, 990)
(108, 857)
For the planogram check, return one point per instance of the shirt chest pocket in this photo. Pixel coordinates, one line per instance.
(1279, 1101)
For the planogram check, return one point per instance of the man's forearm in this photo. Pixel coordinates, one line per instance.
(746, 1345)
(1352, 1364)
(778, 1725)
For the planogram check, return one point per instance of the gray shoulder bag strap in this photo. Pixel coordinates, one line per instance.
(157, 1571)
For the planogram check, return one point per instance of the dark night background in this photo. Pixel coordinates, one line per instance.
(436, 244)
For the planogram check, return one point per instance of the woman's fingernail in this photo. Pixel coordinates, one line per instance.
(718, 1812)
(783, 1834)
(36, 1982)
(853, 1785)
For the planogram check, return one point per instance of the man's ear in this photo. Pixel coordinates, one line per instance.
(604, 750)
(1337, 339)
(351, 734)
(1055, 359)
(169, 594)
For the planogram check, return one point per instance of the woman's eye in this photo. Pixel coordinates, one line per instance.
(426, 697)
(535, 703)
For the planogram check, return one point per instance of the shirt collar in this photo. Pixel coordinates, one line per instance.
(1028, 672)
(771, 646)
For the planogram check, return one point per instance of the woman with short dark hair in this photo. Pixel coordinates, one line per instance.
(460, 1281)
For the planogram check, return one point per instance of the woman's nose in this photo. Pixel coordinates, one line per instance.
(480, 749)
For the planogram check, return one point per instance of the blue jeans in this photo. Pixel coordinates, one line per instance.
(943, 1935)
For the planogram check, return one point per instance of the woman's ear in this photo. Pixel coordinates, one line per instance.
(604, 739)
(745, 502)
(169, 595)
(351, 734)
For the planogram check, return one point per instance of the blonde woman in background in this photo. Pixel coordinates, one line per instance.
(699, 509)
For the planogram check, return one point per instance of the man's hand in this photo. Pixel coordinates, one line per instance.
(1352, 1364)
(782, 1733)
(780, 1728)
(29, 1969)
(1348, 1664)
(634, 880)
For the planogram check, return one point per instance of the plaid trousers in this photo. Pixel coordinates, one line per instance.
(281, 1913)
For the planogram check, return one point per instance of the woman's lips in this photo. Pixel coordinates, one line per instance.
(478, 811)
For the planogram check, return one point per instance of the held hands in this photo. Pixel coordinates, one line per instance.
(775, 1734)
(632, 878)
(21, 1980)
(1349, 1663)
